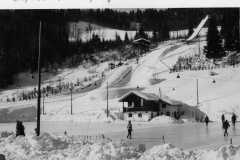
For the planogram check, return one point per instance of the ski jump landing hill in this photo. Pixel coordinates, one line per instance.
(198, 29)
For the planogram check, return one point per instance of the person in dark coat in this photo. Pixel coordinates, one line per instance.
(206, 120)
(129, 128)
(234, 118)
(20, 129)
(223, 119)
(226, 125)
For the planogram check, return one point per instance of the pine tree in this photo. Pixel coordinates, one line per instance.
(141, 34)
(126, 39)
(155, 36)
(214, 47)
(118, 39)
(230, 28)
(165, 31)
(190, 30)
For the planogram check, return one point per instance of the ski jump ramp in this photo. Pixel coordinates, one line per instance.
(198, 29)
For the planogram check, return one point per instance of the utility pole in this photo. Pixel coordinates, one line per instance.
(160, 93)
(160, 104)
(39, 81)
(197, 94)
(43, 97)
(199, 45)
(71, 89)
(107, 100)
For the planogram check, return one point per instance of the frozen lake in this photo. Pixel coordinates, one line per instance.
(187, 135)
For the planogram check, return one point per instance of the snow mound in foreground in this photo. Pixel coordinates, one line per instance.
(167, 152)
(51, 147)
(170, 152)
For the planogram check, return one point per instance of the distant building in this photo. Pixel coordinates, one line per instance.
(142, 41)
(135, 25)
(141, 106)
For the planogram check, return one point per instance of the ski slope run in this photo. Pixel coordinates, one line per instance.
(148, 65)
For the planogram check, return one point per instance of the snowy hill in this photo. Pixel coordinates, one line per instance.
(79, 31)
(150, 74)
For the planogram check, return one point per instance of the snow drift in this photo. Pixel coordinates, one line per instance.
(51, 147)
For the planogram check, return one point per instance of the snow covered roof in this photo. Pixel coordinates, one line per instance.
(139, 40)
(146, 96)
(150, 97)
(166, 99)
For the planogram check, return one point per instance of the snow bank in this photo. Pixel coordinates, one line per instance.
(52, 147)
(167, 152)
(163, 119)
(170, 152)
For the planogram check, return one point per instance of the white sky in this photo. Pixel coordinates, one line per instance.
(55, 4)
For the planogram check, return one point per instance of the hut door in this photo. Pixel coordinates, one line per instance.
(164, 107)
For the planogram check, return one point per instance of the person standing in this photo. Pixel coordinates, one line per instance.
(226, 125)
(20, 129)
(223, 120)
(234, 118)
(129, 128)
(206, 120)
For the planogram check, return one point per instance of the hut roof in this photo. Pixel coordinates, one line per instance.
(150, 97)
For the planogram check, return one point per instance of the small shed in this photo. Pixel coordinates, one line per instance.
(145, 106)
(142, 106)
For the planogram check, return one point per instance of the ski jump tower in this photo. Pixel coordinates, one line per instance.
(198, 29)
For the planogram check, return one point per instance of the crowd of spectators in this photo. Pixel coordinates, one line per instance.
(194, 62)
(58, 87)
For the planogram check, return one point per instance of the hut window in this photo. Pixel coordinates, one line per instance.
(130, 115)
(140, 115)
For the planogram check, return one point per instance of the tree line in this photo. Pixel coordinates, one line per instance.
(226, 38)
(19, 34)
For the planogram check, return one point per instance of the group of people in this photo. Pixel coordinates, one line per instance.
(194, 62)
(226, 124)
(49, 90)
(32, 94)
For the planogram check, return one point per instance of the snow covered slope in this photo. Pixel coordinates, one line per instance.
(215, 98)
(79, 31)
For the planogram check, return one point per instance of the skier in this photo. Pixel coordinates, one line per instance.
(226, 125)
(223, 119)
(206, 120)
(129, 128)
(234, 118)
